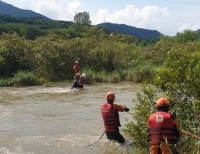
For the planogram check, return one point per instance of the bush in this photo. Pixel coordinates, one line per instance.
(179, 80)
(25, 79)
(6, 82)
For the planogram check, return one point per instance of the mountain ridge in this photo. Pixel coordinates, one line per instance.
(131, 30)
(11, 10)
(140, 33)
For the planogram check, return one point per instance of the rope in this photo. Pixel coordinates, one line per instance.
(131, 114)
(183, 131)
(96, 140)
(134, 115)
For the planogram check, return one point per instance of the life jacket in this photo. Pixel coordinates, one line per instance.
(161, 128)
(76, 68)
(110, 118)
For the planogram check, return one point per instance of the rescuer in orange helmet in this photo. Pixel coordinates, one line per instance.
(163, 129)
(76, 68)
(110, 115)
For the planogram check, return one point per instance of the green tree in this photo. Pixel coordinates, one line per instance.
(187, 35)
(179, 80)
(82, 18)
(32, 32)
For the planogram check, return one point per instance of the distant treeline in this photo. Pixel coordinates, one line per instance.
(31, 54)
(42, 23)
(32, 27)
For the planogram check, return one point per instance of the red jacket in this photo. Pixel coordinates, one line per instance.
(162, 127)
(76, 69)
(111, 116)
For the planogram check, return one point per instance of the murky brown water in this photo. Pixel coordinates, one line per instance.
(55, 120)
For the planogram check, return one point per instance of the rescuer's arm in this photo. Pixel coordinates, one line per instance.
(120, 108)
(176, 126)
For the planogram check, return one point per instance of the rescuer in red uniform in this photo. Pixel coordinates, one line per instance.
(110, 115)
(76, 68)
(163, 129)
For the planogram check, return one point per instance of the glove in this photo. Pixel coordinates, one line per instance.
(126, 109)
(173, 116)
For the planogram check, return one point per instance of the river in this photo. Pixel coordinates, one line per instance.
(56, 120)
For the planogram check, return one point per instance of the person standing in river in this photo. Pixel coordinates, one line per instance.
(109, 112)
(77, 82)
(163, 129)
(76, 68)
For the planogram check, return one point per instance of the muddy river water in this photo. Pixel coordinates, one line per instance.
(56, 120)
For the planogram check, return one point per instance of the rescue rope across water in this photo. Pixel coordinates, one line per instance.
(134, 115)
(187, 133)
(96, 140)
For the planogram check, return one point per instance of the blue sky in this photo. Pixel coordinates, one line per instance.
(166, 16)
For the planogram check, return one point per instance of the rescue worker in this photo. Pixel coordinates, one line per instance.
(163, 129)
(76, 82)
(110, 115)
(76, 68)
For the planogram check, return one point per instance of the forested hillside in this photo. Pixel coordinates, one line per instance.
(130, 30)
(17, 12)
(7, 9)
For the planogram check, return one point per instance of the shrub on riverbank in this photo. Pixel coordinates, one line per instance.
(109, 58)
(179, 80)
(51, 58)
(22, 79)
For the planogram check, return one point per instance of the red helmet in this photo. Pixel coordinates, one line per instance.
(110, 96)
(76, 62)
(163, 101)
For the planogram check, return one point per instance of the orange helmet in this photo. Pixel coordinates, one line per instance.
(110, 96)
(163, 101)
(77, 75)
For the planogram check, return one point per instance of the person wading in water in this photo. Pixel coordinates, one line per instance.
(77, 82)
(110, 115)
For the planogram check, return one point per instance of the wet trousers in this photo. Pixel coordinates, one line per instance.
(115, 136)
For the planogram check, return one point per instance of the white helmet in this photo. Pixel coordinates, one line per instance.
(83, 76)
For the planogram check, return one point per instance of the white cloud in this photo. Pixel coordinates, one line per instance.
(54, 9)
(57, 10)
(187, 26)
(149, 17)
